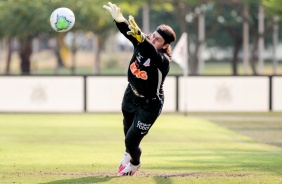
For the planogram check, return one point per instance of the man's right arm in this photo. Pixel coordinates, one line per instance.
(121, 22)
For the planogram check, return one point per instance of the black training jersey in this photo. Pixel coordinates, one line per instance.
(148, 67)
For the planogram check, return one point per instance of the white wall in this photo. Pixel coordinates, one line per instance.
(105, 94)
(170, 94)
(41, 94)
(224, 94)
(277, 93)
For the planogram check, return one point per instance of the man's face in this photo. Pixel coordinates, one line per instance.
(158, 41)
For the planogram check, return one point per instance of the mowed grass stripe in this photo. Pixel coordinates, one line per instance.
(86, 148)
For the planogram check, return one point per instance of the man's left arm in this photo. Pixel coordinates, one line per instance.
(158, 57)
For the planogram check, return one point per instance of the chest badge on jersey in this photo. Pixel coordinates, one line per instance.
(137, 72)
(147, 62)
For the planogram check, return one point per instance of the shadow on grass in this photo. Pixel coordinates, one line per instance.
(95, 179)
(89, 179)
(162, 180)
(224, 161)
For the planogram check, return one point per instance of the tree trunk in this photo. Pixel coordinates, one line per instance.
(146, 19)
(73, 62)
(60, 63)
(193, 64)
(74, 48)
(180, 13)
(261, 39)
(25, 52)
(201, 42)
(234, 61)
(98, 46)
(253, 56)
(246, 27)
(237, 40)
(58, 51)
(275, 40)
(9, 54)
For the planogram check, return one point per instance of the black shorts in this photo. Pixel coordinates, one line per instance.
(142, 112)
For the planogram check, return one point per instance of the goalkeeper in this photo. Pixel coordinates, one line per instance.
(144, 96)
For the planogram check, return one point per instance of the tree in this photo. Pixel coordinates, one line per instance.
(25, 20)
(185, 11)
(273, 9)
(19, 20)
(223, 27)
(232, 18)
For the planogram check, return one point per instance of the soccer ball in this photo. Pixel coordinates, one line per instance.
(62, 19)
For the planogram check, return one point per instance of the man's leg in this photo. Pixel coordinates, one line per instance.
(132, 142)
(127, 120)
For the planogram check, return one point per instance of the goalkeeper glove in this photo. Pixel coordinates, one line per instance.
(135, 31)
(115, 12)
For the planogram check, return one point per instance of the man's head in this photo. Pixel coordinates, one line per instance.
(162, 38)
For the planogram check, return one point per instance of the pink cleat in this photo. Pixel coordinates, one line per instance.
(129, 170)
(125, 160)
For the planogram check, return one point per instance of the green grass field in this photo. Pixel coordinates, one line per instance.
(87, 148)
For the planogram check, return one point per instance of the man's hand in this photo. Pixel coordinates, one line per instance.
(115, 12)
(135, 31)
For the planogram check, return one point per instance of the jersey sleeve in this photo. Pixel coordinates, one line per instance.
(123, 28)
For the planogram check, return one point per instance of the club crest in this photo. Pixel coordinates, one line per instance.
(147, 62)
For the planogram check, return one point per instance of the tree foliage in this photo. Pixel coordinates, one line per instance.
(26, 20)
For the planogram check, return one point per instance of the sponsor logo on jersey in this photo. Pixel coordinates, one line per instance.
(137, 72)
(139, 57)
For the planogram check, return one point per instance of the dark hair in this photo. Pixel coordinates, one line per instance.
(169, 36)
